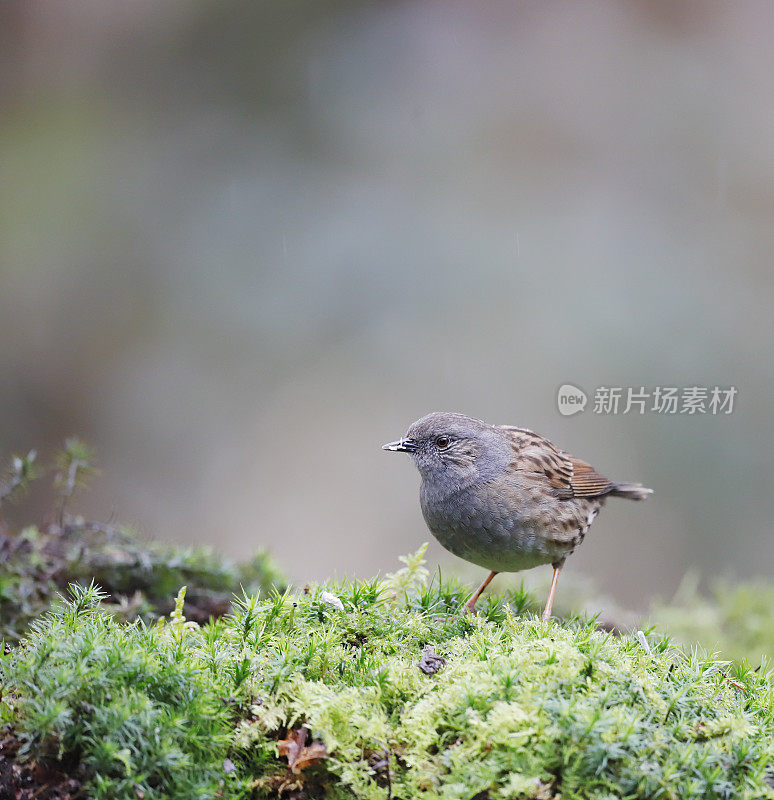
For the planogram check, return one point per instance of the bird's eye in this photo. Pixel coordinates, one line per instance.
(442, 442)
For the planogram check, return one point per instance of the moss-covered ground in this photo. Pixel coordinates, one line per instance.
(381, 689)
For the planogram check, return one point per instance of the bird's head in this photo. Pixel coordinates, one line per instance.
(454, 447)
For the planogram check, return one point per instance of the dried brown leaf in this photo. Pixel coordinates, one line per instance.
(298, 753)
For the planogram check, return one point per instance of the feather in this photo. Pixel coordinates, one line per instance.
(567, 475)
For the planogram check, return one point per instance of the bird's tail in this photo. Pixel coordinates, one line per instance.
(631, 491)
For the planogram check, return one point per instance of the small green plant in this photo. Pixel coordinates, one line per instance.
(21, 472)
(413, 576)
(75, 465)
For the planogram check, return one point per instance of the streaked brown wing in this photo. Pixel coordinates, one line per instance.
(569, 476)
(586, 481)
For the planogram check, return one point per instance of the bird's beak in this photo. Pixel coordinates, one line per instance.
(401, 446)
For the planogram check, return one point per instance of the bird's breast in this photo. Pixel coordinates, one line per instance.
(488, 529)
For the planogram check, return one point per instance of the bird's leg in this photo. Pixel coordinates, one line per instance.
(471, 604)
(552, 591)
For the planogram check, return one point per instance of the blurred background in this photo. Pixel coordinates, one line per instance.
(241, 246)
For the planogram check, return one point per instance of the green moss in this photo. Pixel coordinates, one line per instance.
(520, 709)
(735, 619)
(124, 703)
(138, 576)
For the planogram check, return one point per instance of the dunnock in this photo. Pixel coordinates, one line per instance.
(502, 497)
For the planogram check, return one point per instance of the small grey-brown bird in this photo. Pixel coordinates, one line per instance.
(502, 497)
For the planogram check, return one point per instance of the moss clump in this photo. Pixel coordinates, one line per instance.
(138, 576)
(321, 695)
(124, 707)
(735, 619)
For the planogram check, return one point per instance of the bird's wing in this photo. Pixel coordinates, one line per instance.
(567, 475)
(586, 481)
